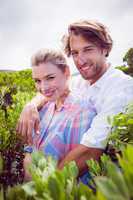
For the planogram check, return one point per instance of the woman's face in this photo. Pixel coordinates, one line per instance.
(50, 80)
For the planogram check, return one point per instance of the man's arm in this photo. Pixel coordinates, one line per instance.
(95, 139)
(80, 155)
(29, 118)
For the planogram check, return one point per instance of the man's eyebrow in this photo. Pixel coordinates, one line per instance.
(85, 47)
(73, 50)
(89, 46)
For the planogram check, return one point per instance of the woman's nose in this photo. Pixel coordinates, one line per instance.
(44, 85)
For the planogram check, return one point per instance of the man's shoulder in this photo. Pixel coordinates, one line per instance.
(113, 79)
(117, 78)
(120, 75)
(117, 83)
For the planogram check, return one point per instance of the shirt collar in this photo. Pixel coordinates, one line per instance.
(99, 82)
(67, 103)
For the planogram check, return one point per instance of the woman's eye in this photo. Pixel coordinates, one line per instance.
(37, 81)
(50, 78)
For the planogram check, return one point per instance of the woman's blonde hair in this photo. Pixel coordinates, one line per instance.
(49, 56)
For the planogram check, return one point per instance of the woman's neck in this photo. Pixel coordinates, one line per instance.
(62, 98)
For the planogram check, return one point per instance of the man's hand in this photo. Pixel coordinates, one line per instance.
(80, 155)
(28, 120)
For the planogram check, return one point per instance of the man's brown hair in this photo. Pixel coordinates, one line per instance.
(92, 31)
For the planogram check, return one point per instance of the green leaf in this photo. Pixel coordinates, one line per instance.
(1, 164)
(130, 121)
(94, 167)
(116, 175)
(29, 188)
(16, 193)
(109, 189)
(55, 188)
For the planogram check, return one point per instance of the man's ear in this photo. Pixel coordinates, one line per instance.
(105, 52)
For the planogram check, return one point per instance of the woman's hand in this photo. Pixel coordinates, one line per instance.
(26, 163)
(29, 120)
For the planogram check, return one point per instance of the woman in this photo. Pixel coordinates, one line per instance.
(64, 118)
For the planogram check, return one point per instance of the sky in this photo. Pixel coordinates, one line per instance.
(29, 25)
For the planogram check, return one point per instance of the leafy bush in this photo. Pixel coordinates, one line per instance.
(11, 146)
(118, 182)
(122, 128)
(22, 80)
(128, 58)
(50, 184)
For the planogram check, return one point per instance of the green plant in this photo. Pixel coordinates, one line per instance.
(50, 183)
(128, 58)
(117, 184)
(11, 146)
(122, 129)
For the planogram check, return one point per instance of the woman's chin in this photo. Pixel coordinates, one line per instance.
(52, 99)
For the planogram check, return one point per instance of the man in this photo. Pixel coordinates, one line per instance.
(110, 90)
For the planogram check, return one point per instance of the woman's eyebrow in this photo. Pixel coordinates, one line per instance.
(44, 77)
(47, 76)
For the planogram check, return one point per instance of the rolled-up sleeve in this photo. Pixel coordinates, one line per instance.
(114, 103)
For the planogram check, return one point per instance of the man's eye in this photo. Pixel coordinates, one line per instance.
(74, 53)
(87, 50)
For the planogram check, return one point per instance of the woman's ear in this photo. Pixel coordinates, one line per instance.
(67, 72)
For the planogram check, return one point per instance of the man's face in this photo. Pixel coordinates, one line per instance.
(89, 59)
(50, 80)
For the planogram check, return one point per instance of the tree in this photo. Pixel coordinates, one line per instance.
(128, 58)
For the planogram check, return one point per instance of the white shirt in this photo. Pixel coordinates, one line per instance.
(110, 95)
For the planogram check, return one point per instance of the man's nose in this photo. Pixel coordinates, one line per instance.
(81, 60)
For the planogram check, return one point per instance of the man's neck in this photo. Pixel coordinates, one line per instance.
(105, 68)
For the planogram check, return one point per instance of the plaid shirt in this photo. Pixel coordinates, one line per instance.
(62, 129)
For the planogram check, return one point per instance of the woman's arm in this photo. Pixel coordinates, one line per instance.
(26, 163)
(29, 118)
